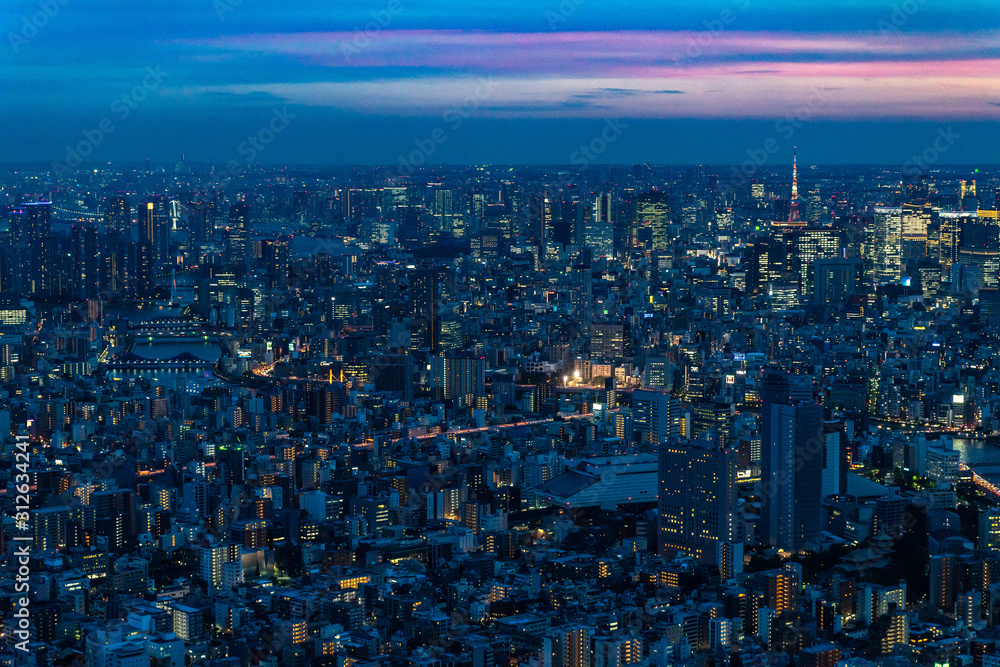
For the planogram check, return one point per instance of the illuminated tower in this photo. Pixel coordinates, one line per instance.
(793, 208)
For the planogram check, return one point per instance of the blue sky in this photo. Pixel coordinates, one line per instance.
(504, 81)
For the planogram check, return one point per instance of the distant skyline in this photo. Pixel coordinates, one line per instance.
(851, 81)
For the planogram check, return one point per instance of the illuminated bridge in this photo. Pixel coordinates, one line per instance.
(988, 464)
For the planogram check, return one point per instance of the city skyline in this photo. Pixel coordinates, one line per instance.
(527, 83)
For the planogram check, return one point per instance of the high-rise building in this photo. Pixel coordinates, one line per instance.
(425, 286)
(118, 217)
(238, 238)
(566, 646)
(211, 559)
(443, 211)
(656, 415)
(86, 260)
(459, 376)
(698, 504)
(29, 225)
(154, 229)
(652, 219)
(835, 280)
(792, 449)
(805, 246)
(916, 221)
(883, 241)
(275, 258)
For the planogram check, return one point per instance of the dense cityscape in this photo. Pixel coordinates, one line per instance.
(485, 416)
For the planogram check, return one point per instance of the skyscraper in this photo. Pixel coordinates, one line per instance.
(29, 224)
(540, 219)
(883, 241)
(792, 447)
(652, 218)
(238, 239)
(154, 229)
(805, 246)
(698, 504)
(655, 415)
(118, 217)
(425, 285)
(86, 260)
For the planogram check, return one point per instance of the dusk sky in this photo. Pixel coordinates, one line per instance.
(506, 81)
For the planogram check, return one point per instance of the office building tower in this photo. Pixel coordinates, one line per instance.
(882, 247)
(656, 416)
(652, 222)
(29, 225)
(611, 340)
(201, 221)
(275, 259)
(154, 229)
(916, 222)
(835, 280)
(86, 260)
(950, 225)
(603, 211)
(805, 246)
(540, 220)
(142, 256)
(697, 499)
(443, 211)
(792, 448)
(425, 286)
(238, 234)
(118, 217)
